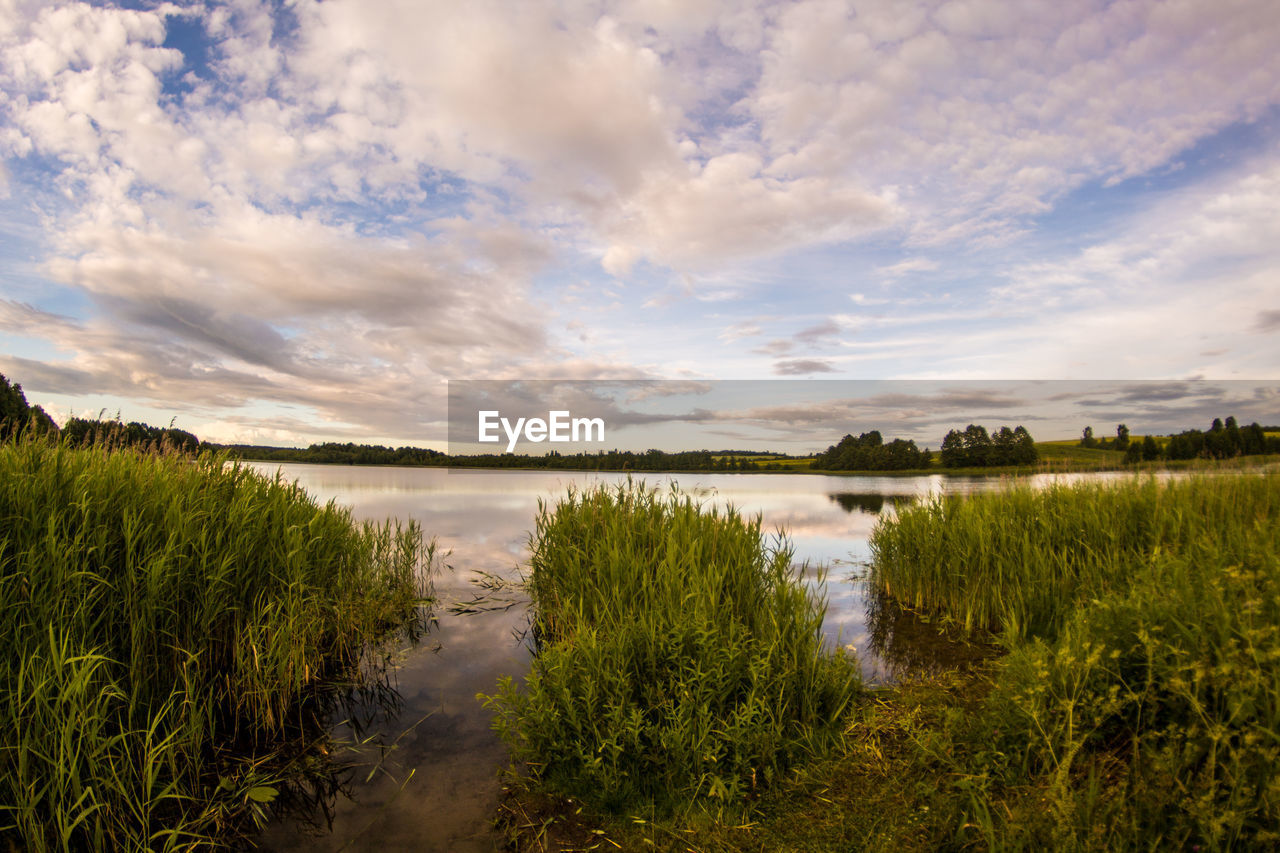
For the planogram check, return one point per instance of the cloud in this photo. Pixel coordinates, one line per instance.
(777, 346)
(802, 367)
(335, 207)
(819, 333)
(1268, 320)
(729, 210)
(738, 331)
(902, 268)
(981, 115)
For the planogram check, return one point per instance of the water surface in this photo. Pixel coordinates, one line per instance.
(437, 788)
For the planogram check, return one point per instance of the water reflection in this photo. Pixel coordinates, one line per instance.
(871, 503)
(343, 734)
(426, 777)
(906, 646)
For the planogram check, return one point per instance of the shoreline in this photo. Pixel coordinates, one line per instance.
(1257, 462)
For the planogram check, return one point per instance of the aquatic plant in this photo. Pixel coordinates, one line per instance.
(162, 621)
(1139, 703)
(679, 655)
(1021, 559)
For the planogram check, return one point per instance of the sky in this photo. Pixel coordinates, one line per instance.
(294, 221)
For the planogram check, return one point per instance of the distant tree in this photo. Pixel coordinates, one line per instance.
(1025, 452)
(16, 414)
(1223, 441)
(41, 421)
(953, 455)
(1087, 440)
(869, 452)
(1253, 439)
(1235, 439)
(1150, 449)
(977, 445)
(975, 448)
(1122, 437)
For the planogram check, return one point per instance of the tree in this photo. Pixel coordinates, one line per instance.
(1024, 447)
(16, 414)
(13, 406)
(953, 455)
(1255, 440)
(977, 445)
(1087, 440)
(1122, 437)
(869, 452)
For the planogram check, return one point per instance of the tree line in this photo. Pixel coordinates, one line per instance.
(972, 447)
(975, 448)
(1224, 440)
(868, 452)
(334, 453)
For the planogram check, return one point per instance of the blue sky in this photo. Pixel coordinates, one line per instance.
(294, 221)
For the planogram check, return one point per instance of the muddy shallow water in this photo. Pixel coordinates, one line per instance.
(426, 777)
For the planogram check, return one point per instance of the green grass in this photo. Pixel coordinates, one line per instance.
(1140, 699)
(679, 656)
(1020, 560)
(1136, 705)
(1055, 454)
(162, 620)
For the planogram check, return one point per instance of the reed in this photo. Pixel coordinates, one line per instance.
(679, 655)
(1020, 560)
(162, 620)
(1139, 704)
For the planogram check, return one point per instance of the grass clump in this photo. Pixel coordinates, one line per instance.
(679, 656)
(1020, 560)
(1138, 706)
(162, 619)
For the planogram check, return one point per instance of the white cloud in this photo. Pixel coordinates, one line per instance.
(360, 196)
(910, 265)
(983, 113)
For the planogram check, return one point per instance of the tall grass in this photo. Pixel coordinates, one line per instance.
(1022, 559)
(679, 655)
(1139, 704)
(161, 620)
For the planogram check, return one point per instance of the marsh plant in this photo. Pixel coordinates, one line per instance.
(1139, 703)
(679, 655)
(165, 621)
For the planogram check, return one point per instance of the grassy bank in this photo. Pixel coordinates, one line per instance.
(163, 621)
(1139, 703)
(679, 657)
(1135, 704)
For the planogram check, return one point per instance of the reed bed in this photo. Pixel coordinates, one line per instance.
(162, 620)
(1018, 561)
(1139, 704)
(679, 655)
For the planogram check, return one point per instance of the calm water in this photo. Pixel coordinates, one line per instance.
(435, 763)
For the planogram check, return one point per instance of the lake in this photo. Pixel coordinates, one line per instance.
(428, 778)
